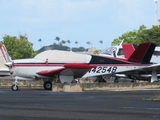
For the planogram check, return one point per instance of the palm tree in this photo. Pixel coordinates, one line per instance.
(63, 41)
(89, 43)
(69, 42)
(40, 40)
(76, 42)
(101, 41)
(58, 39)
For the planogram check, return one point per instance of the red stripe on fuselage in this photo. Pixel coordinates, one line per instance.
(78, 67)
(35, 64)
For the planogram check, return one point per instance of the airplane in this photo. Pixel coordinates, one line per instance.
(117, 51)
(124, 51)
(67, 66)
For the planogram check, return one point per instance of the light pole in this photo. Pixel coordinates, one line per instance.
(159, 23)
(156, 13)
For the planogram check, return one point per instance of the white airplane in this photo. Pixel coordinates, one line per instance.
(69, 65)
(119, 52)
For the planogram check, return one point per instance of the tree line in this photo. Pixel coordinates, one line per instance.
(141, 35)
(20, 47)
(76, 42)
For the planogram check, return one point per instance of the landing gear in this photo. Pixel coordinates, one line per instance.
(116, 80)
(100, 79)
(15, 86)
(47, 85)
(133, 81)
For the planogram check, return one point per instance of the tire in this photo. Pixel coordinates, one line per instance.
(47, 85)
(14, 87)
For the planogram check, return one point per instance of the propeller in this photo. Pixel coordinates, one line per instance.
(9, 65)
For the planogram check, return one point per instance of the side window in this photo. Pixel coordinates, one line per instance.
(120, 52)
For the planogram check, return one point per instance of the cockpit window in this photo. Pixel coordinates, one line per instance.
(109, 51)
(120, 52)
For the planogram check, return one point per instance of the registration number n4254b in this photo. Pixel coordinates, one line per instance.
(102, 69)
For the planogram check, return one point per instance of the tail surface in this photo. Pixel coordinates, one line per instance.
(128, 49)
(4, 57)
(143, 53)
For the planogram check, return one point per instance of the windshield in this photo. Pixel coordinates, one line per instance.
(109, 51)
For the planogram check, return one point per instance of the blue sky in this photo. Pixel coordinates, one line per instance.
(74, 20)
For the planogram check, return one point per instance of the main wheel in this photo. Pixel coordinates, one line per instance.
(47, 85)
(14, 87)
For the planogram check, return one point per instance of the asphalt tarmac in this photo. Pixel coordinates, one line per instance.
(38, 104)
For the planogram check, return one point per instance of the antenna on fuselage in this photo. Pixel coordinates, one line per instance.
(120, 44)
(47, 61)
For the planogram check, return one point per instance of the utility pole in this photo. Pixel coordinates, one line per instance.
(159, 22)
(156, 13)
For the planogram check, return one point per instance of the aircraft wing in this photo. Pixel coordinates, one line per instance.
(4, 69)
(75, 67)
(50, 73)
(68, 71)
(152, 71)
(147, 69)
(153, 68)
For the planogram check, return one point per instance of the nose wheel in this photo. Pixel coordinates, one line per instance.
(14, 87)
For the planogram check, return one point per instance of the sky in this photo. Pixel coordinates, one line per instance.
(74, 20)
